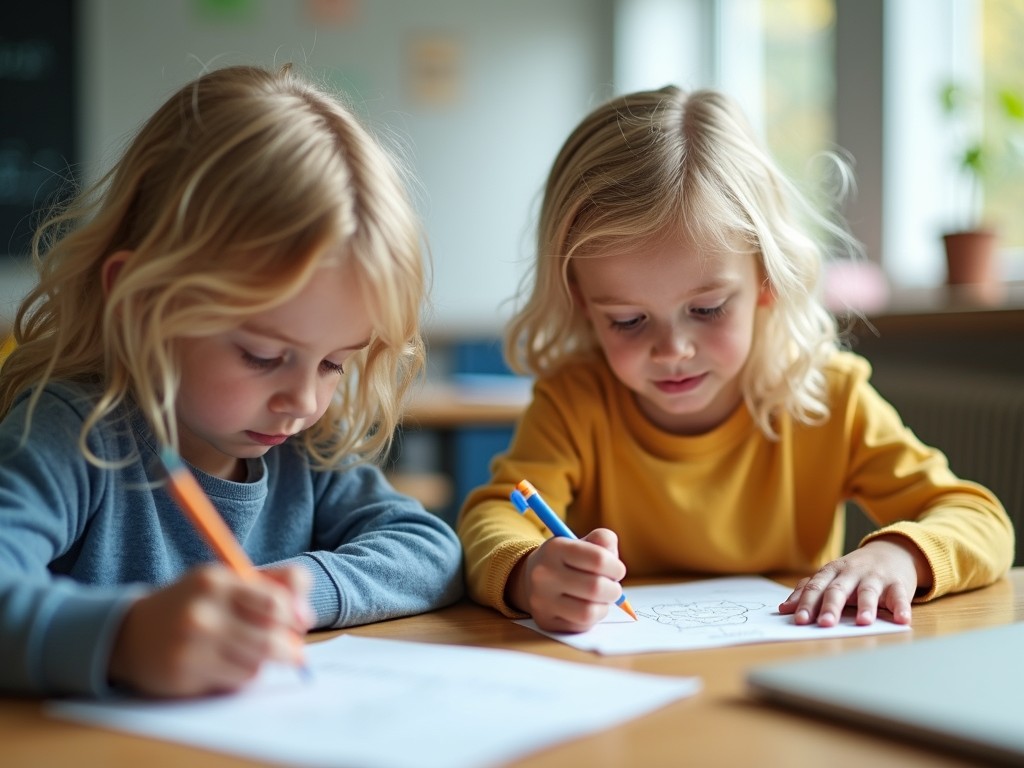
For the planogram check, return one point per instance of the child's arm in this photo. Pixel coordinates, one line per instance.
(568, 585)
(78, 545)
(938, 533)
(550, 447)
(210, 631)
(55, 632)
(376, 554)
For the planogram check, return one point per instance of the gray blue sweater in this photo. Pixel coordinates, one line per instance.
(79, 543)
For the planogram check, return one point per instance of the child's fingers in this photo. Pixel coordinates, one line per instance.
(591, 557)
(834, 599)
(294, 578)
(565, 600)
(566, 595)
(297, 580)
(898, 602)
(589, 587)
(267, 602)
(247, 646)
(605, 539)
(814, 597)
(237, 624)
(573, 615)
(790, 603)
(868, 593)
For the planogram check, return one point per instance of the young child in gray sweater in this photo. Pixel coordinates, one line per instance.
(243, 287)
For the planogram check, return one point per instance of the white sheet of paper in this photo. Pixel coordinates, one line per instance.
(395, 704)
(734, 610)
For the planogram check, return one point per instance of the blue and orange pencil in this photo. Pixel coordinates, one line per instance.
(525, 497)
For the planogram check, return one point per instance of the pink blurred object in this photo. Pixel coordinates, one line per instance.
(860, 286)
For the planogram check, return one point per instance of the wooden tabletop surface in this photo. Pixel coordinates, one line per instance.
(720, 726)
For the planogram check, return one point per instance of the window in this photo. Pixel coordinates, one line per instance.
(799, 82)
(1002, 29)
(864, 75)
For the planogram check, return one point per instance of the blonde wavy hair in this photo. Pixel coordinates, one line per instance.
(228, 198)
(667, 159)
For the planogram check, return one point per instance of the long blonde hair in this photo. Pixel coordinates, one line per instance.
(666, 159)
(228, 198)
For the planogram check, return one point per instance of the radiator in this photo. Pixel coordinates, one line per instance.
(976, 419)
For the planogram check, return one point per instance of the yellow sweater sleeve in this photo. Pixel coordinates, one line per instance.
(908, 488)
(495, 536)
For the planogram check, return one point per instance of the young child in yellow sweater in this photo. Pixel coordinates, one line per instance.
(693, 410)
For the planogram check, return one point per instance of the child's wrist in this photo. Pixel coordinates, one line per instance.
(516, 592)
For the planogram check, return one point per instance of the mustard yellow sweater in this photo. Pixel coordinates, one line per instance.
(730, 501)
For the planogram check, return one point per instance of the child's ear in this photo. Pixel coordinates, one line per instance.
(112, 268)
(766, 296)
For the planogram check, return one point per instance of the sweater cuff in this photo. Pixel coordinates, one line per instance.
(504, 559)
(324, 596)
(925, 544)
(79, 639)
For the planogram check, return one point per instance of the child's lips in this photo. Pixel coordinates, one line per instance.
(263, 439)
(683, 384)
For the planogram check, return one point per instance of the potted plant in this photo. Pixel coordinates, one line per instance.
(971, 247)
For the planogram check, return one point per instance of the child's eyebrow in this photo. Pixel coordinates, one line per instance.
(273, 333)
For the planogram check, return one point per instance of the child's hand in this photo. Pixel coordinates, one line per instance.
(884, 573)
(211, 631)
(567, 585)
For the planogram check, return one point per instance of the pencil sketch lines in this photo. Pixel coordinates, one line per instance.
(701, 613)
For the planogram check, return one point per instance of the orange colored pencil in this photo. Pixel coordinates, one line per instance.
(196, 505)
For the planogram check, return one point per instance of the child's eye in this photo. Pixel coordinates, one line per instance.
(259, 363)
(629, 324)
(328, 367)
(709, 313)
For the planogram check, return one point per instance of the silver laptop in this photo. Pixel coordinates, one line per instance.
(963, 691)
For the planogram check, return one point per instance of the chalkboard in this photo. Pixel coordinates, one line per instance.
(38, 137)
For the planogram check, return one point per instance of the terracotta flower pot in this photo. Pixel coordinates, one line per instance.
(971, 257)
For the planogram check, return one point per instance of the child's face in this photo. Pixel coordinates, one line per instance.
(246, 390)
(676, 326)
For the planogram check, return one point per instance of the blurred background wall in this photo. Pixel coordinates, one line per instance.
(479, 94)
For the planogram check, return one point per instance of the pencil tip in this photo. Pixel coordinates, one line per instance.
(624, 605)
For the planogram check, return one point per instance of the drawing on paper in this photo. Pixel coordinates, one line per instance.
(702, 613)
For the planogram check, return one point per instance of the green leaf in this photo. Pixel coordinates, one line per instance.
(1012, 104)
(951, 97)
(973, 159)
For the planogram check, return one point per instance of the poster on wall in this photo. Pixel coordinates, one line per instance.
(38, 152)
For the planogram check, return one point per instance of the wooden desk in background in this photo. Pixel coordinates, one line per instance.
(720, 726)
(445, 408)
(451, 405)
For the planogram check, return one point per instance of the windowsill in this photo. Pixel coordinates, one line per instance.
(964, 309)
(945, 299)
(954, 327)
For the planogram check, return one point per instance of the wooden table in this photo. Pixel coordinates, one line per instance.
(449, 405)
(720, 726)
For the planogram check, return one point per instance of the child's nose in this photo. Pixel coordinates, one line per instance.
(297, 397)
(673, 343)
